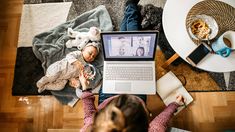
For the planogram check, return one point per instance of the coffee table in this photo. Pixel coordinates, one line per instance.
(174, 18)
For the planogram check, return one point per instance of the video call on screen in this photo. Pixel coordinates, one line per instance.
(129, 46)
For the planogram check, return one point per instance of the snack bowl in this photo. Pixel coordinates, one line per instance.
(203, 27)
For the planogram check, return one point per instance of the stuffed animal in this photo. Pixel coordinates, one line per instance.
(80, 39)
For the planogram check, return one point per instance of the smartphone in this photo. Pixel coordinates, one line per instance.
(198, 54)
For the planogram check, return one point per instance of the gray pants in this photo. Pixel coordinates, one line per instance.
(48, 83)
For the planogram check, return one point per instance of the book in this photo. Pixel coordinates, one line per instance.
(169, 87)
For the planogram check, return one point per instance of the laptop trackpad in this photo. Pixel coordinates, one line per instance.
(123, 86)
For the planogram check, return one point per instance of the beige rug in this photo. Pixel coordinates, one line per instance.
(37, 18)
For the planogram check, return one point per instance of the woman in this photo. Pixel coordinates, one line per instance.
(139, 51)
(124, 113)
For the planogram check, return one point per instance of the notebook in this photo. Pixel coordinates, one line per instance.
(169, 87)
(129, 66)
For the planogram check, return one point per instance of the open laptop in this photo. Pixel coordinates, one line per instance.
(129, 66)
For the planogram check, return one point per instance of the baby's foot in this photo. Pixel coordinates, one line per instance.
(40, 86)
(40, 90)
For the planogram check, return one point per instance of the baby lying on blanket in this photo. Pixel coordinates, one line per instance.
(69, 69)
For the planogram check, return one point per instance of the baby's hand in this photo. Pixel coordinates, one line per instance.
(73, 82)
(88, 76)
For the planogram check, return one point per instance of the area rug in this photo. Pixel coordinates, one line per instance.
(36, 18)
(28, 69)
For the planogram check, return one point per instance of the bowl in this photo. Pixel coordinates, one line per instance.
(203, 27)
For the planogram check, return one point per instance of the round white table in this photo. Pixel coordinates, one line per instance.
(174, 19)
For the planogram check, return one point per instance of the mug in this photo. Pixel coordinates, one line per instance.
(225, 44)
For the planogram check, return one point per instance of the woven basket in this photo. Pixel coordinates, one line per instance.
(223, 13)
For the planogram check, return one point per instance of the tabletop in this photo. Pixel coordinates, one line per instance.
(174, 19)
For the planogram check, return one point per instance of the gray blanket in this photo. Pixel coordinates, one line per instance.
(49, 46)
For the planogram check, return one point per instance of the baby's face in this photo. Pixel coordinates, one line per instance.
(89, 53)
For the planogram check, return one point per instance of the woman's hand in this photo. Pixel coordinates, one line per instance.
(73, 82)
(180, 100)
(83, 80)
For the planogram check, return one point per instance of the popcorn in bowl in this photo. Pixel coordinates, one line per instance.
(203, 27)
(200, 29)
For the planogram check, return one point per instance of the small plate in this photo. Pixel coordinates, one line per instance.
(210, 21)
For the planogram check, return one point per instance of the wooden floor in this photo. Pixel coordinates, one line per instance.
(210, 111)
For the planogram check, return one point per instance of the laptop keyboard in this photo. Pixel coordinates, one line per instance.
(129, 73)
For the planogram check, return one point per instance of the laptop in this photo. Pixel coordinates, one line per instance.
(129, 66)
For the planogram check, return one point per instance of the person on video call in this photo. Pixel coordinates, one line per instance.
(139, 51)
(125, 46)
(125, 113)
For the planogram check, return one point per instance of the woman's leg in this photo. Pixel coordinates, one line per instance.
(132, 19)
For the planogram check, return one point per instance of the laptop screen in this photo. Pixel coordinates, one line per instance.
(137, 45)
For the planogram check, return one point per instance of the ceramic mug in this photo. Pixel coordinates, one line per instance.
(225, 44)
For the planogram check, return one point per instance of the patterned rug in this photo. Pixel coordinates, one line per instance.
(194, 79)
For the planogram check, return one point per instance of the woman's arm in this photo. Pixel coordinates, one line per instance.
(160, 123)
(89, 109)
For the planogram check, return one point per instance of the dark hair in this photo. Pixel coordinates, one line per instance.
(141, 48)
(124, 113)
(121, 37)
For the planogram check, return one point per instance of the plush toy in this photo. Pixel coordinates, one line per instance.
(80, 39)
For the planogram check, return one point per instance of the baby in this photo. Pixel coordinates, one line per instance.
(68, 69)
